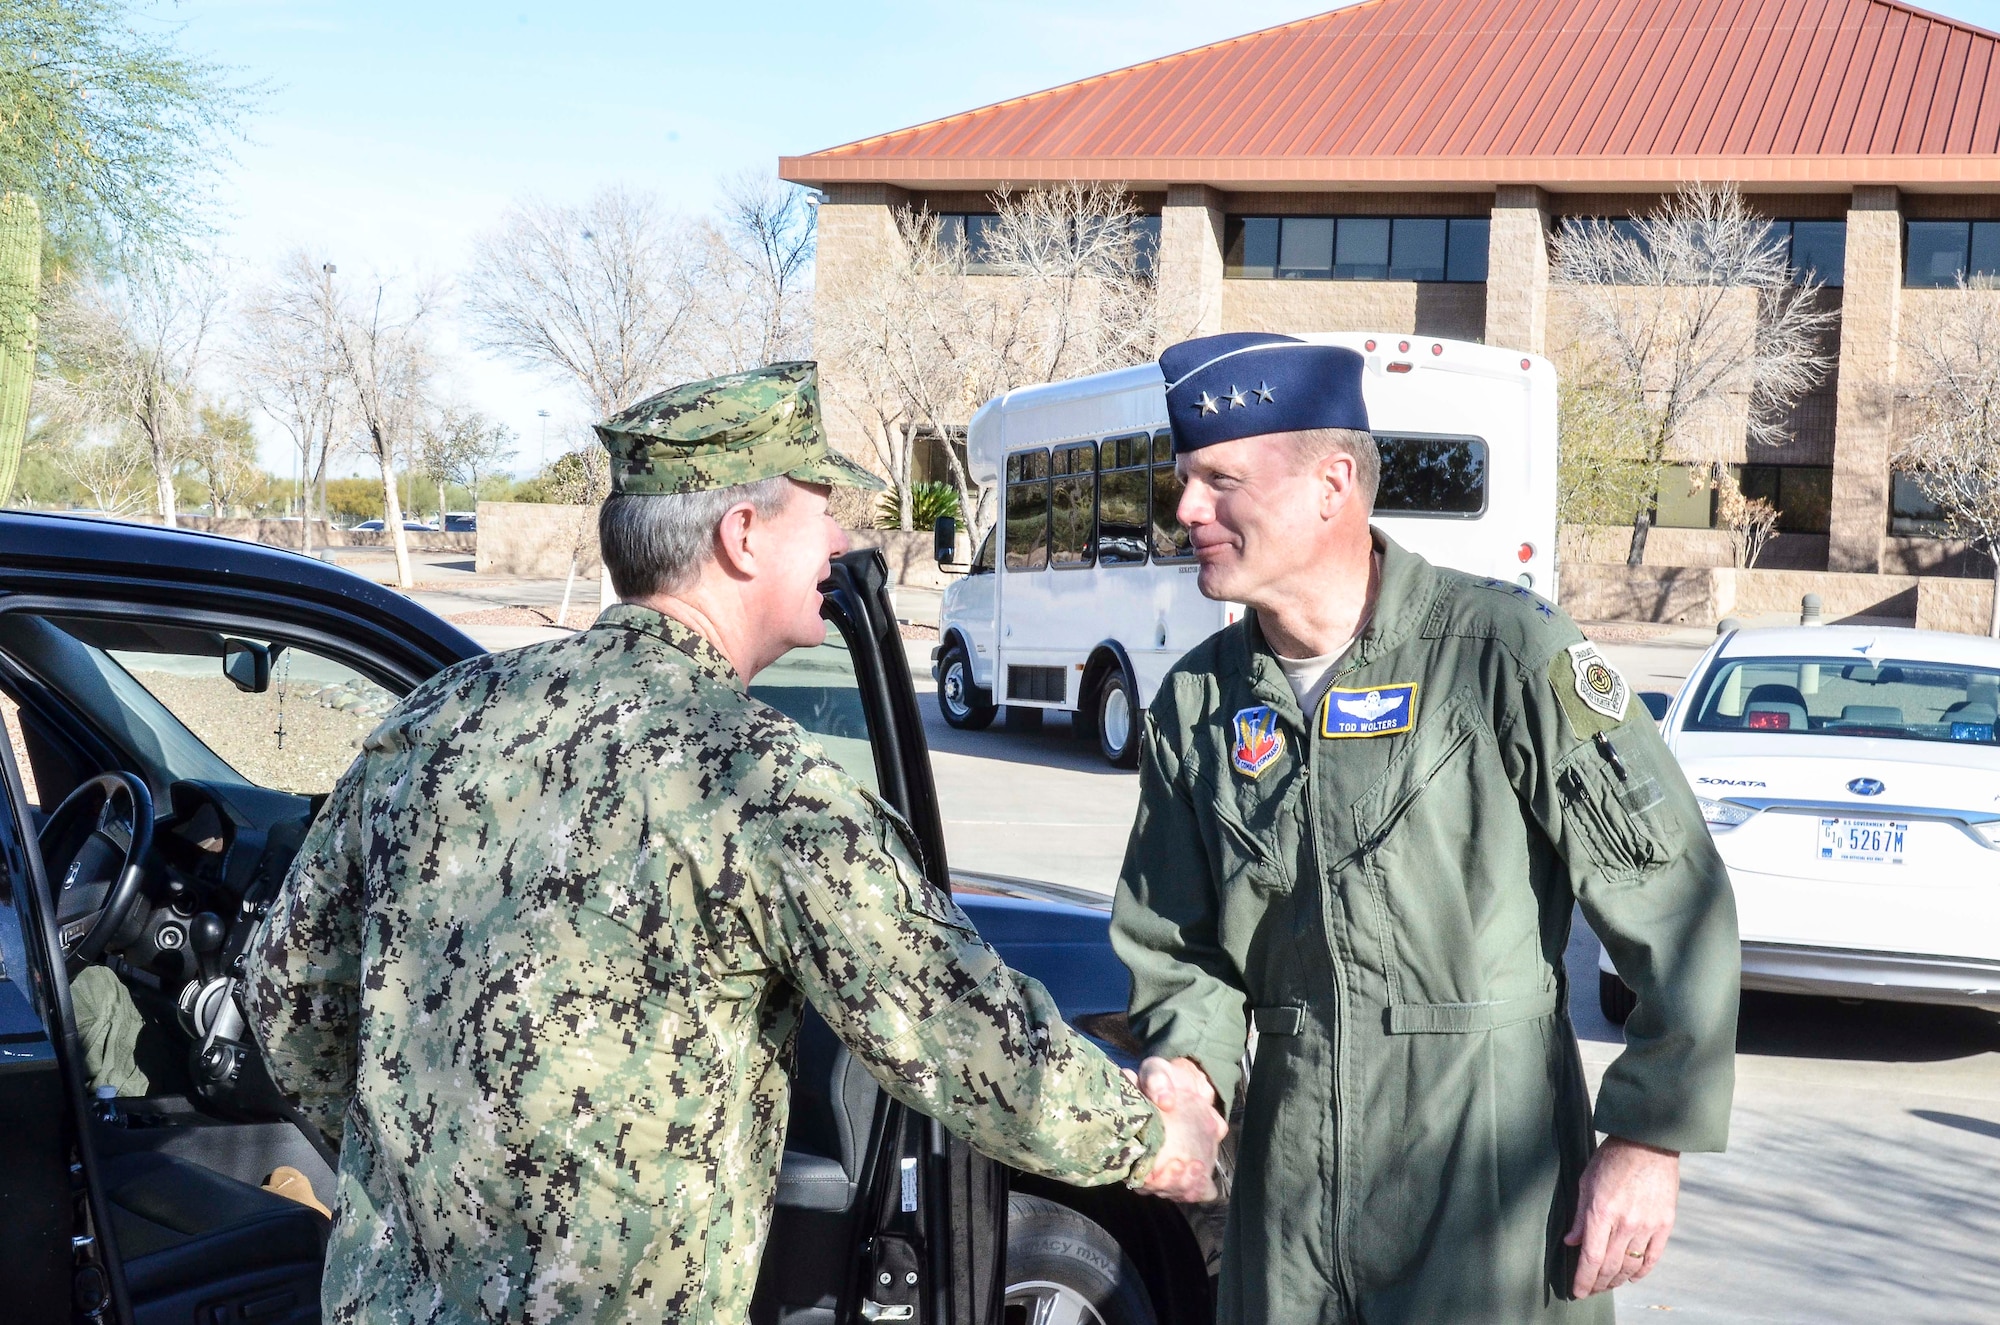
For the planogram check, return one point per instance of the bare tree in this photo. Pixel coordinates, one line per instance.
(1056, 290)
(1693, 312)
(127, 352)
(756, 281)
(579, 478)
(286, 361)
(1951, 409)
(376, 341)
(105, 470)
(458, 445)
(1749, 520)
(222, 450)
(603, 295)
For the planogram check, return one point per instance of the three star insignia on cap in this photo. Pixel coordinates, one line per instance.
(1236, 400)
(1264, 393)
(1208, 403)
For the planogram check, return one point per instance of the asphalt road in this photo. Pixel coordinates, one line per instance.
(1862, 1183)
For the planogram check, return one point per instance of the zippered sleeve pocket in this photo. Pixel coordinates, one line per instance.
(1611, 800)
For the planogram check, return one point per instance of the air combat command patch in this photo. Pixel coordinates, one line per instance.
(1598, 684)
(1378, 711)
(1258, 740)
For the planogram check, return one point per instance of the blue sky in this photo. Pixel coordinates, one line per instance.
(393, 133)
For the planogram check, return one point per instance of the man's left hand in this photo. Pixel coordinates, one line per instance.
(1624, 1213)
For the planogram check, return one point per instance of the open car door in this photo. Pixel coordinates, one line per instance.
(212, 690)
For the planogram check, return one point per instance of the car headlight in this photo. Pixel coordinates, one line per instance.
(1990, 832)
(1724, 814)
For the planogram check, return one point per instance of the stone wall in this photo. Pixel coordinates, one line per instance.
(1607, 544)
(1457, 312)
(909, 556)
(274, 532)
(1703, 595)
(534, 540)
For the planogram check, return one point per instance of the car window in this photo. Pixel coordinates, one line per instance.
(1892, 699)
(161, 691)
(818, 689)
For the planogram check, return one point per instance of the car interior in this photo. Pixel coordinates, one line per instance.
(171, 771)
(1898, 700)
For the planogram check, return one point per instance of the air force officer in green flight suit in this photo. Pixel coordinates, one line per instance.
(1366, 814)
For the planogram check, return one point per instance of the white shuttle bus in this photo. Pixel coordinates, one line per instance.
(1083, 595)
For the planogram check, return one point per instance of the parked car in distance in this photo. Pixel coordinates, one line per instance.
(1850, 776)
(409, 526)
(461, 522)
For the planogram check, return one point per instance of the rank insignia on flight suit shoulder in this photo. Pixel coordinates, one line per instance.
(1259, 741)
(1371, 711)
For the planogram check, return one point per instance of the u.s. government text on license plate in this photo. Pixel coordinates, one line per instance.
(1864, 841)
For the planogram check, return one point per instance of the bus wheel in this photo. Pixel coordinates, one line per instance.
(1063, 1267)
(963, 704)
(1117, 722)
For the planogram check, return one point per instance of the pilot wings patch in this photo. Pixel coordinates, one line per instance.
(1259, 741)
(1376, 711)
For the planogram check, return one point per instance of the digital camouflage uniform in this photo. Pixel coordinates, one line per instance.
(538, 966)
(1384, 889)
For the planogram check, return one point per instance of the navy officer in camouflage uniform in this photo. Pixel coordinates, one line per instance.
(538, 965)
(1367, 811)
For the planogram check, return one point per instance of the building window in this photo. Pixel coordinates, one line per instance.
(1814, 250)
(970, 232)
(1028, 510)
(1073, 505)
(1431, 476)
(1803, 495)
(1938, 253)
(1913, 515)
(1169, 536)
(1356, 248)
(1124, 481)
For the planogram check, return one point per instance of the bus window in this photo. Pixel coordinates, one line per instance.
(1170, 537)
(1123, 465)
(982, 561)
(1073, 505)
(1439, 476)
(1028, 510)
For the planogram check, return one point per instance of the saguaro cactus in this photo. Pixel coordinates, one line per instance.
(20, 283)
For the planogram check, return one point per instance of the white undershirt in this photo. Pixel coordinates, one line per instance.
(1311, 676)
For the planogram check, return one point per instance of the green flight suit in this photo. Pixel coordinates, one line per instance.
(1389, 906)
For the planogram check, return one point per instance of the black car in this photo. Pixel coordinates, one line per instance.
(178, 705)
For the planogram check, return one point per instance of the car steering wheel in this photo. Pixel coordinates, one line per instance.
(100, 851)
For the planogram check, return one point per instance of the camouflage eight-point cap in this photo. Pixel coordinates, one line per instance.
(727, 430)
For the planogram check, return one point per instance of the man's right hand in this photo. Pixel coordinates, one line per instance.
(1184, 1170)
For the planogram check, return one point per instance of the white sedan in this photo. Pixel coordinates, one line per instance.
(1851, 779)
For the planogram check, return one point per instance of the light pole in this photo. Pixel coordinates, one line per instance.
(542, 452)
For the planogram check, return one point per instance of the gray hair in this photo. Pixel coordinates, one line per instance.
(1315, 444)
(659, 544)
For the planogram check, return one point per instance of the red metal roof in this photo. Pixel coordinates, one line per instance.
(1438, 93)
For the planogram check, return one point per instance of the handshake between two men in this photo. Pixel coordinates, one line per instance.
(1184, 1170)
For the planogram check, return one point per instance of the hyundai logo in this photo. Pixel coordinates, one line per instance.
(1866, 787)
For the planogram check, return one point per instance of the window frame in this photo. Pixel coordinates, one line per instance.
(1163, 439)
(1008, 484)
(1485, 478)
(1236, 240)
(1059, 475)
(1143, 441)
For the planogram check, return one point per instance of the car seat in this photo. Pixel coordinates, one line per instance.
(1872, 715)
(1775, 697)
(200, 1247)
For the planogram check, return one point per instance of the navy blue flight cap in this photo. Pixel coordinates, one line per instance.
(1248, 383)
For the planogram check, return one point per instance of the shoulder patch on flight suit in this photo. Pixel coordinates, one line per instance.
(1592, 693)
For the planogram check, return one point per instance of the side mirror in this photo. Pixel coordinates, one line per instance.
(1657, 703)
(247, 665)
(944, 540)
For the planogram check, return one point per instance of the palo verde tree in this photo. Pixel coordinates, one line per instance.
(110, 140)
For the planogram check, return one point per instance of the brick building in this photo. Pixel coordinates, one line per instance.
(1400, 165)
